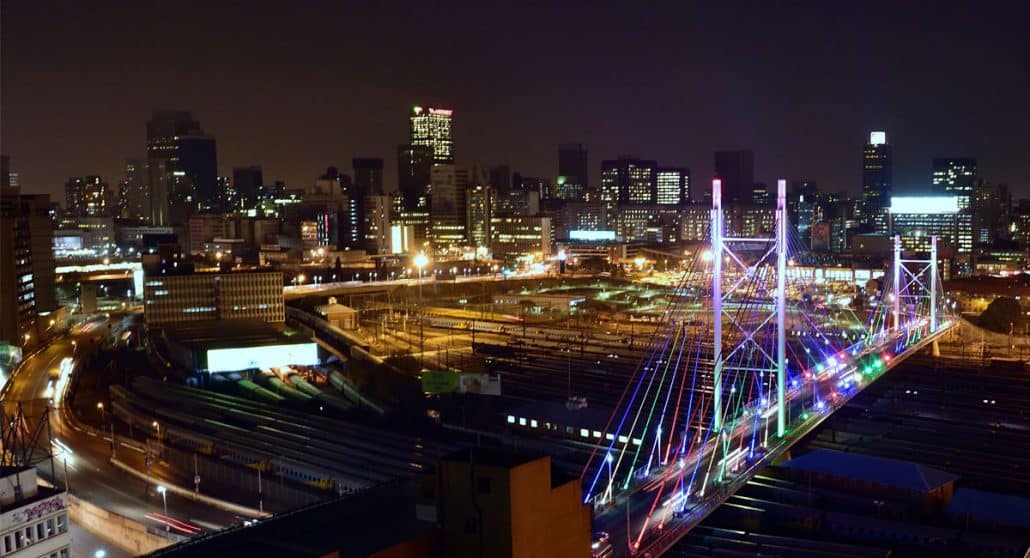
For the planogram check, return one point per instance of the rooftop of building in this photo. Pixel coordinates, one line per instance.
(990, 507)
(1014, 284)
(210, 334)
(506, 460)
(876, 470)
(350, 527)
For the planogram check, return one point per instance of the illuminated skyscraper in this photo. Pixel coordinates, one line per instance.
(628, 180)
(877, 181)
(88, 197)
(673, 186)
(431, 127)
(955, 177)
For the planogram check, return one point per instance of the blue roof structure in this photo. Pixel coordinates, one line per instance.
(990, 507)
(876, 470)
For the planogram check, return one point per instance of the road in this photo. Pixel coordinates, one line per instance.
(90, 476)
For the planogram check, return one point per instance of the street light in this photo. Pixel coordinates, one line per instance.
(100, 405)
(421, 260)
(164, 498)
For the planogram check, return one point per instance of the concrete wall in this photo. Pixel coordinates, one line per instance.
(126, 534)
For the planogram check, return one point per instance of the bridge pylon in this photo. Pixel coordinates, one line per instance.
(746, 334)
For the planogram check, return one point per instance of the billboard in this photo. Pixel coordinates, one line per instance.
(590, 236)
(434, 381)
(269, 356)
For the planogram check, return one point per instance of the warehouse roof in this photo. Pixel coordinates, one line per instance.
(877, 470)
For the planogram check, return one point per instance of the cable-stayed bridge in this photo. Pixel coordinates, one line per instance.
(749, 357)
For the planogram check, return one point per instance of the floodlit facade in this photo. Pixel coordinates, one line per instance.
(917, 218)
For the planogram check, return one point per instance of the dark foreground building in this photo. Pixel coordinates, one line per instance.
(480, 502)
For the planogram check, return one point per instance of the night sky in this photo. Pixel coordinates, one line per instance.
(298, 86)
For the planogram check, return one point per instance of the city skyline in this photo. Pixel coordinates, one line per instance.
(806, 113)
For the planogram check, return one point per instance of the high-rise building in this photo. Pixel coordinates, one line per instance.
(877, 181)
(185, 297)
(955, 176)
(916, 218)
(990, 209)
(431, 127)
(514, 237)
(87, 197)
(134, 190)
(368, 176)
(413, 164)
(375, 217)
(478, 211)
(736, 169)
(446, 207)
(628, 180)
(673, 186)
(26, 264)
(182, 167)
(573, 172)
(247, 183)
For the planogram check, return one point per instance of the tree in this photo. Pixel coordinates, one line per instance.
(1001, 314)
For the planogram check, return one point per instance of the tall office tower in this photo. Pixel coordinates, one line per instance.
(88, 197)
(955, 177)
(573, 172)
(26, 265)
(431, 127)
(182, 167)
(247, 182)
(990, 209)
(446, 207)
(877, 181)
(736, 169)
(479, 209)
(133, 192)
(375, 219)
(628, 180)
(368, 176)
(673, 186)
(413, 164)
